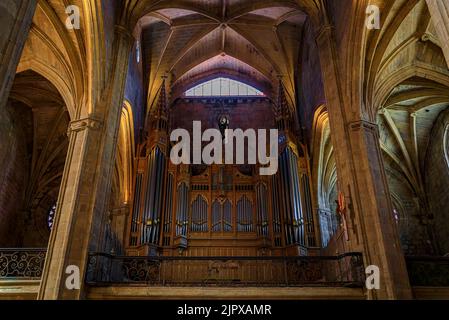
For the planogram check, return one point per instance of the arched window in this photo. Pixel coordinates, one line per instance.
(222, 87)
(51, 216)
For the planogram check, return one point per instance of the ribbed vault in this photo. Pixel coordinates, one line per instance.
(257, 41)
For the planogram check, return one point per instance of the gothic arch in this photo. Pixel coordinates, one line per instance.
(125, 154)
(37, 155)
(436, 179)
(440, 78)
(403, 48)
(407, 120)
(54, 77)
(324, 172)
(57, 53)
(189, 36)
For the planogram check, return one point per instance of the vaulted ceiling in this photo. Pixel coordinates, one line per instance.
(407, 80)
(192, 40)
(406, 123)
(39, 105)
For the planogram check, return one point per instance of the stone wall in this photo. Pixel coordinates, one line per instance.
(413, 234)
(134, 90)
(437, 180)
(244, 113)
(311, 83)
(15, 166)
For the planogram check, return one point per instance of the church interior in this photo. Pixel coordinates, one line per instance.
(90, 92)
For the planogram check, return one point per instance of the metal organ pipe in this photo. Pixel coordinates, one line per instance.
(244, 215)
(169, 204)
(199, 215)
(227, 216)
(181, 210)
(216, 221)
(262, 210)
(153, 197)
(308, 210)
(136, 209)
(159, 194)
(289, 199)
(300, 234)
(276, 211)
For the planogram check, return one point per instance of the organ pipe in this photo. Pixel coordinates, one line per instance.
(227, 216)
(168, 204)
(262, 210)
(289, 199)
(136, 209)
(244, 215)
(199, 215)
(311, 242)
(153, 197)
(181, 210)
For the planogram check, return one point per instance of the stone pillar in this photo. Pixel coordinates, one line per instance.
(439, 10)
(16, 17)
(86, 183)
(362, 179)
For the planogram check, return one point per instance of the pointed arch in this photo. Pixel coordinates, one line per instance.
(125, 153)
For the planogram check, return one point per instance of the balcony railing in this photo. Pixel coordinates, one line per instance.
(22, 263)
(344, 270)
(428, 271)
(104, 269)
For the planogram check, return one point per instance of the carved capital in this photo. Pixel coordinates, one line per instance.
(83, 124)
(363, 125)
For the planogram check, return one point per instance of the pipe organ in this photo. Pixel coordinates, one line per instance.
(262, 210)
(244, 215)
(153, 197)
(199, 215)
(219, 210)
(222, 216)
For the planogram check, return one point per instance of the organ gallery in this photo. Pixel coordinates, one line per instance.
(222, 209)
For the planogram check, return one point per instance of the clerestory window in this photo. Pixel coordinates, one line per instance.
(223, 87)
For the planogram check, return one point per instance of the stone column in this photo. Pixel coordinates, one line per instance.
(439, 10)
(362, 179)
(16, 17)
(83, 199)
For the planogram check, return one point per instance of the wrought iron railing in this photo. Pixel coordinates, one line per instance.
(344, 270)
(428, 271)
(21, 263)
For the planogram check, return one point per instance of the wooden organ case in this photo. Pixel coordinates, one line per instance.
(219, 210)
